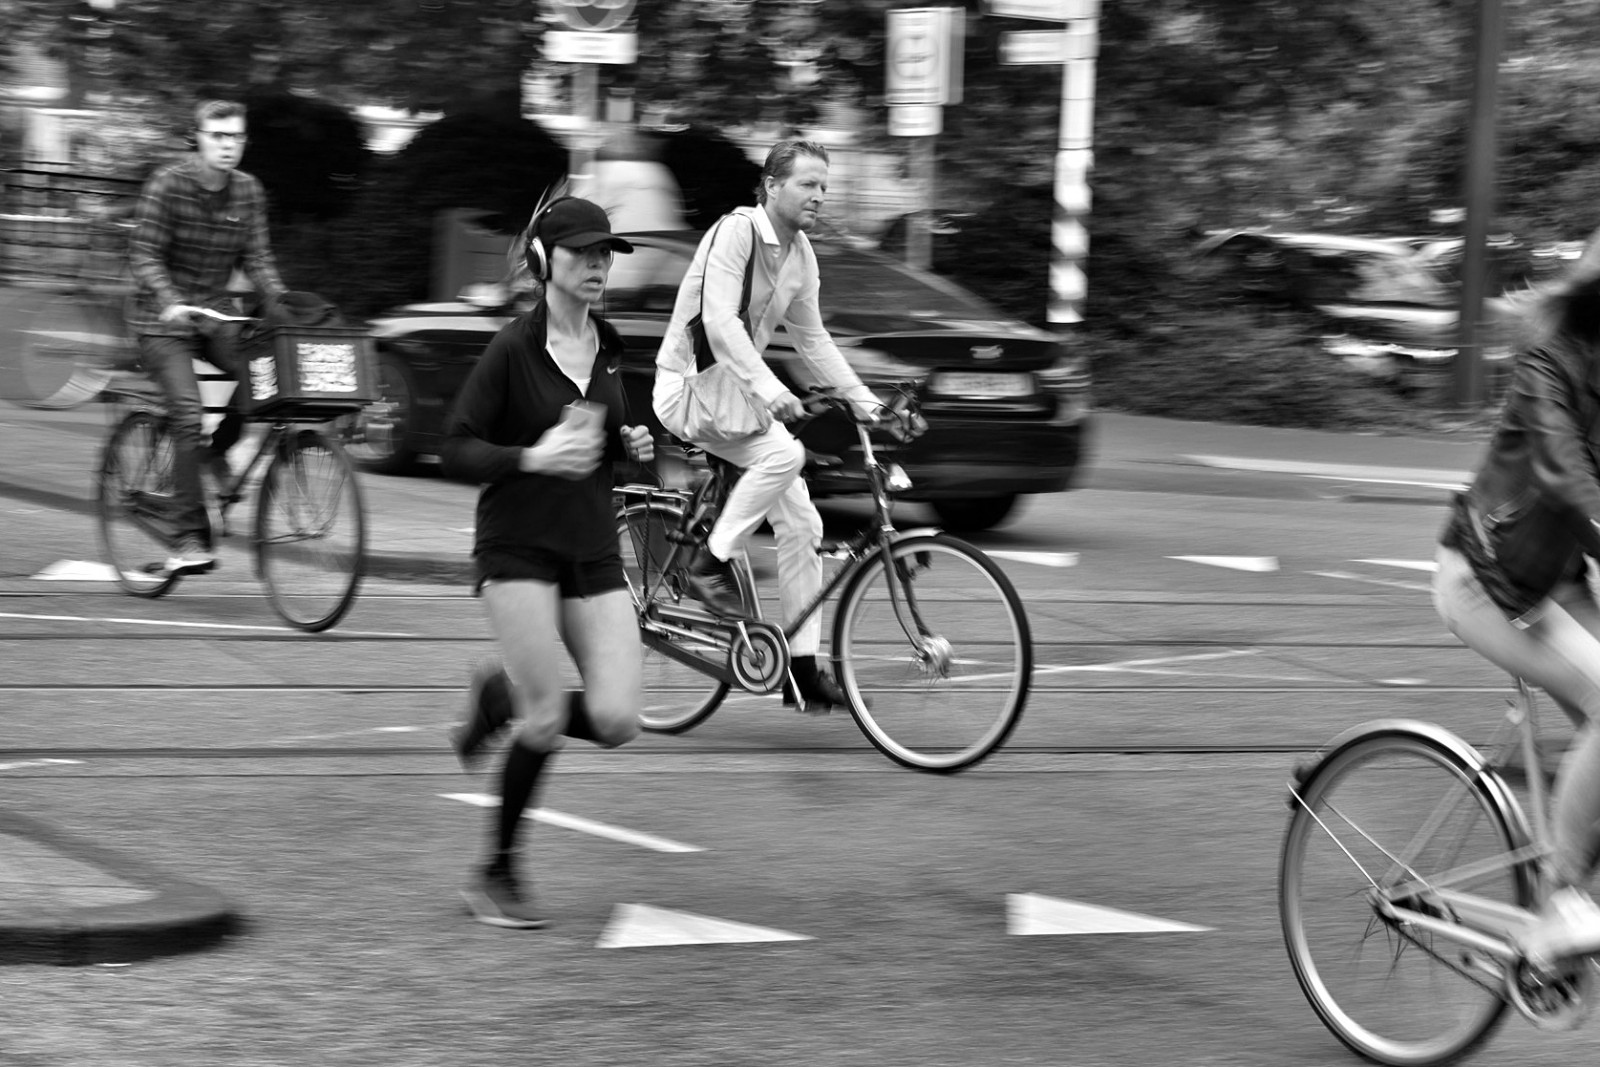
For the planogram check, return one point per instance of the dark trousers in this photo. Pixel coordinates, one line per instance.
(170, 361)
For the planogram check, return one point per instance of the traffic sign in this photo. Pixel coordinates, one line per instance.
(589, 16)
(584, 46)
(916, 120)
(1077, 41)
(924, 56)
(1045, 10)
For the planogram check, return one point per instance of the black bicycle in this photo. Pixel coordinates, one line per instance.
(310, 530)
(930, 641)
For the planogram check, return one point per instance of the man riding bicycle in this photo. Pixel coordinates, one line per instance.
(196, 222)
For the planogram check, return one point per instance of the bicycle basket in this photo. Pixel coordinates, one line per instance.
(308, 371)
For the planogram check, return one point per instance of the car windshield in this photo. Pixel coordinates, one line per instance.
(860, 281)
(1357, 276)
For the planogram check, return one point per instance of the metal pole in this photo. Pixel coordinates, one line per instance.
(1069, 237)
(919, 239)
(1480, 174)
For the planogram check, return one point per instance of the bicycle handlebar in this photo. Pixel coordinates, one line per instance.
(900, 417)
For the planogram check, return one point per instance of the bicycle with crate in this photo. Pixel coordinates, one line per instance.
(309, 528)
(930, 641)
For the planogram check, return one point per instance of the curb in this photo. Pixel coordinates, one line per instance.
(178, 915)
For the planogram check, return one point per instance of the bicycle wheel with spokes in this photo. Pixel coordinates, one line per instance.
(311, 536)
(134, 499)
(1391, 815)
(676, 696)
(937, 662)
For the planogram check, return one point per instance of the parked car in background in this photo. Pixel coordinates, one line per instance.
(943, 228)
(1390, 308)
(1007, 405)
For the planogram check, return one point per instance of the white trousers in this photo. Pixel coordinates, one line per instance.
(771, 488)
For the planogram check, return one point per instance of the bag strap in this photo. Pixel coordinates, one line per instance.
(702, 361)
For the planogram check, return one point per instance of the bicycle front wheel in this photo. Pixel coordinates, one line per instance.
(134, 499)
(935, 656)
(1389, 816)
(311, 535)
(676, 696)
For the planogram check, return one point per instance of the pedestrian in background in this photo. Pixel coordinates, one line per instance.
(538, 423)
(196, 222)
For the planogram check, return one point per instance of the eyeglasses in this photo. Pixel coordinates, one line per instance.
(226, 136)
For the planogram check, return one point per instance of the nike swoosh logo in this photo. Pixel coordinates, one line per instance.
(611, 369)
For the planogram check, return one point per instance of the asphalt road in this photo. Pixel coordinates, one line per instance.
(1213, 604)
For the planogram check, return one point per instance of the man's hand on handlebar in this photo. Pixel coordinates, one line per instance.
(786, 407)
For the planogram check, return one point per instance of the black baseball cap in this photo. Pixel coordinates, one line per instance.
(575, 223)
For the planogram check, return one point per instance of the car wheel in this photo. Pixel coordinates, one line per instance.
(379, 443)
(970, 514)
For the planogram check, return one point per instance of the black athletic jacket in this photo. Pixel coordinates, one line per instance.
(514, 394)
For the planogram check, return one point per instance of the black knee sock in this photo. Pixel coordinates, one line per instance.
(518, 783)
(804, 669)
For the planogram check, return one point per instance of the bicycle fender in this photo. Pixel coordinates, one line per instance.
(1446, 739)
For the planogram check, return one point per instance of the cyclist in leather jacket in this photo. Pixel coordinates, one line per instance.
(1512, 578)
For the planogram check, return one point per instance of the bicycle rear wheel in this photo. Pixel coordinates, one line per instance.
(676, 695)
(311, 535)
(1385, 809)
(938, 662)
(134, 499)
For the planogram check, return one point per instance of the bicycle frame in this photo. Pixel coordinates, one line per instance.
(874, 538)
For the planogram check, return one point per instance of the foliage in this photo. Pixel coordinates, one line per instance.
(310, 153)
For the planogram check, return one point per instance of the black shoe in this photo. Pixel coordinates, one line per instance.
(818, 691)
(489, 709)
(711, 581)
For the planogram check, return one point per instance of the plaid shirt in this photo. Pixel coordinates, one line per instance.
(186, 245)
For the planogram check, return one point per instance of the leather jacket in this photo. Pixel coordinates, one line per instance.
(1532, 512)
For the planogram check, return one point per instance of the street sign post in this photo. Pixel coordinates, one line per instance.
(923, 74)
(596, 32)
(1073, 46)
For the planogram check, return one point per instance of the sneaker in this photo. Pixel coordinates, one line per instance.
(190, 556)
(1568, 925)
(495, 897)
(489, 710)
(711, 581)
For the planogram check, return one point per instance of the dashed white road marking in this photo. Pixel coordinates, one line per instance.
(646, 926)
(185, 625)
(1042, 559)
(1404, 564)
(1346, 472)
(1255, 564)
(1390, 583)
(19, 765)
(77, 570)
(1036, 915)
(582, 825)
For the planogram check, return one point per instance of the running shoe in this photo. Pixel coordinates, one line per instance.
(496, 897)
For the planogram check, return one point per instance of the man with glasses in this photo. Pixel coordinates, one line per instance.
(197, 221)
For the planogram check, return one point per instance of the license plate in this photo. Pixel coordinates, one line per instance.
(984, 385)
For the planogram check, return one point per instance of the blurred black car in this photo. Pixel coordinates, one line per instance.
(1390, 307)
(1007, 406)
(943, 229)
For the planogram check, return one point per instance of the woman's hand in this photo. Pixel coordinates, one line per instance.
(567, 450)
(638, 443)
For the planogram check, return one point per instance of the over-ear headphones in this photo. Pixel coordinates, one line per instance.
(535, 254)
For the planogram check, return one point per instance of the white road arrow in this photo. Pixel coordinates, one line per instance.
(644, 926)
(1035, 915)
(1258, 564)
